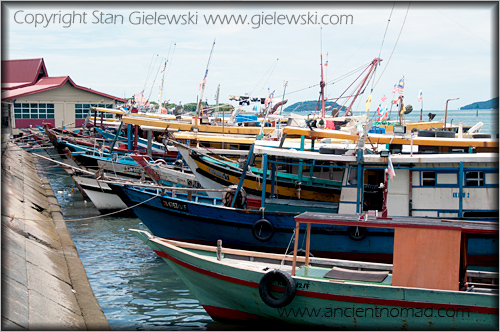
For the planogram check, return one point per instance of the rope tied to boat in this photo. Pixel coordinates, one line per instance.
(288, 247)
(88, 218)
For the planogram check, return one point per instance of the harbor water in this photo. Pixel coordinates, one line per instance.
(489, 117)
(135, 288)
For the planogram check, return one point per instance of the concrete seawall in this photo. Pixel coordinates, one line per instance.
(44, 284)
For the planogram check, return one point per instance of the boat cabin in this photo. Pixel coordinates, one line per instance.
(428, 253)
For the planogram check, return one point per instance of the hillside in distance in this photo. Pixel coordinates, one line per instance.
(310, 106)
(492, 103)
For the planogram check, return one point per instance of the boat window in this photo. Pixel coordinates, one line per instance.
(429, 179)
(474, 179)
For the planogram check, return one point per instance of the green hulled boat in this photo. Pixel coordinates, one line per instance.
(428, 286)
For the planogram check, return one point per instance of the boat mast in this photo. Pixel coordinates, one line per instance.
(161, 86)
(365, 80)
(200, 100)
(322, 82)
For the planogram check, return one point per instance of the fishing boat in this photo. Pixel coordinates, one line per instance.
(457, 185)
(427, 286)
(201, 219)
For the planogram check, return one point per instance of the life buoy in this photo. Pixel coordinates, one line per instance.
(356, 233)
(265, 286)
(263, 230)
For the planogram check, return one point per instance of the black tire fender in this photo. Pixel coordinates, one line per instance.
(446, 134)
(426, 133)
(262, 224)
(265, 286)
(357, 233)
(481, 136)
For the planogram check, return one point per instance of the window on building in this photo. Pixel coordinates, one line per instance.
(82, 110)
(33, 111)
(474, 179)
(429, 179)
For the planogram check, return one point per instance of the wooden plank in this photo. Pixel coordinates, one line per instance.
(239, 252)
(405, 222)
(184, 126)
(426, 258)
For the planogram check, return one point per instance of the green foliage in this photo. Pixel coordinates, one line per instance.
(492, 103)
(310, 106)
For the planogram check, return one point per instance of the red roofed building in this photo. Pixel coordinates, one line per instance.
(30, 97)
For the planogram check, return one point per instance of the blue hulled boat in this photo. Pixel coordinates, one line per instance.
(204, 220)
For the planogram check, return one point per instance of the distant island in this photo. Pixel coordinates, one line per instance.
(310, 106)
(484, 105)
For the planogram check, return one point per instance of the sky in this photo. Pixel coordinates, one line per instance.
(447, 50)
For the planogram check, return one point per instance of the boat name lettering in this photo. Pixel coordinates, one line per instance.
(219, 174)
(131, 169)
(298, 285)
(193, 184)
(455, 195)
(174, 205)
(371, 312)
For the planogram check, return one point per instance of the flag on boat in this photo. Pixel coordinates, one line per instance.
(379, 108)
(368, 102)
(420, 96)
(269, 98)
(395, 88)
(401, 86)
(203, 82)
(382, 114)
(164, 66)
(402, 106)
(384, 98)
(390, 168)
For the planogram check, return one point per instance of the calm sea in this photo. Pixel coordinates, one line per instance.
(489, 117)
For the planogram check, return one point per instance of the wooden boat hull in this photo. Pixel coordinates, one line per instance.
(230, 293)
(202, 222)
(253, 183)
(103, 198)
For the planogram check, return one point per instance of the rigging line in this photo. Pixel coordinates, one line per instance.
(343, 76)
(156, 76)
(383, 39)
(394, 48)
(272, 71)
(165, 71)
(345, 102)
(334, 80)
(312, 86)
(271, 68)
(148, 73)
(170, 62)
(463, 27)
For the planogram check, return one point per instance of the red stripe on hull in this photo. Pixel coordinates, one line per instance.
(224, 314)
(334, 297)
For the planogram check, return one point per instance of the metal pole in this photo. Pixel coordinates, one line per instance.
(264, 178)
(446, 110)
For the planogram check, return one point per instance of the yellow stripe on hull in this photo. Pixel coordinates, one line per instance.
(249, 184)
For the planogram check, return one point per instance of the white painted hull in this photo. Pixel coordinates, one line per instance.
(101, 195)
